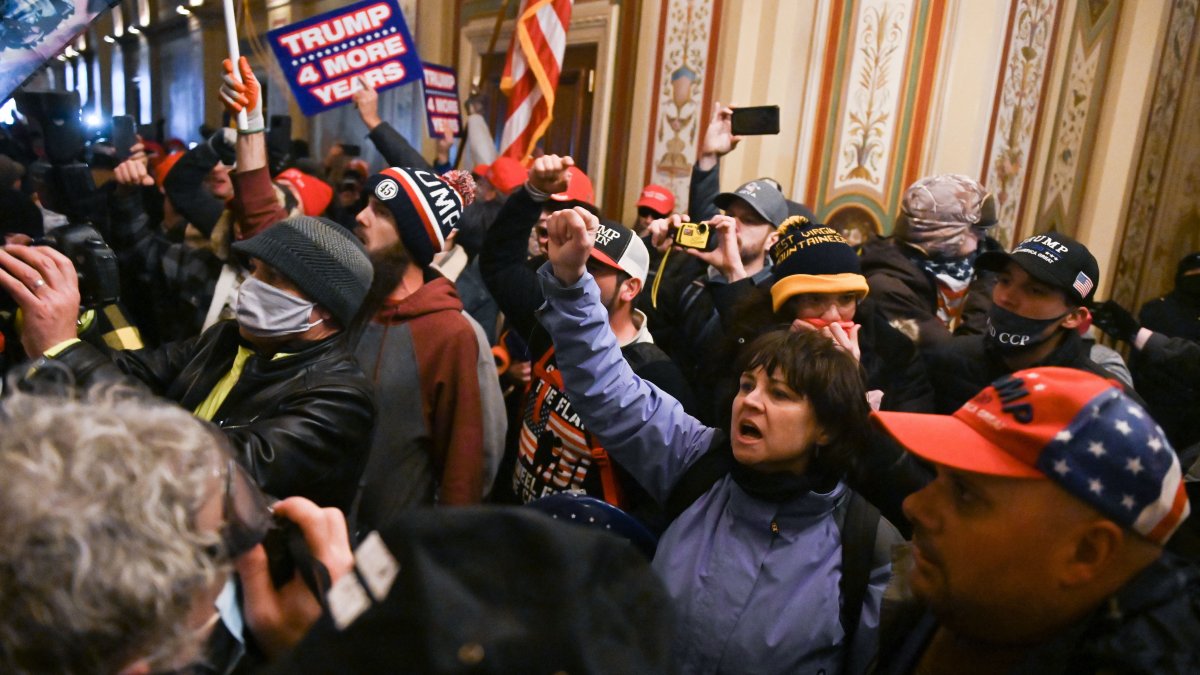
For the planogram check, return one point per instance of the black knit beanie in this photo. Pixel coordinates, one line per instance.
(813, 258)
(321, 257)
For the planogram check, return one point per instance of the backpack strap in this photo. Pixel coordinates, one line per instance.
(699, 478)
(639, 354)
(859, 528)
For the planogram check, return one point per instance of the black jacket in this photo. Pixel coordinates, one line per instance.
(892, 363)
(185, 188)
(689, 322)
(889, 359)
(1150, 626)
(962, 367)
(704, 186)
(1166, 371)
(176, 279)
(904, 293)
(301, 423)
(396, 150)
(1175, 314)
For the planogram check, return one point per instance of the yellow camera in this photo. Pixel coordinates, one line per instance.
(696, 235)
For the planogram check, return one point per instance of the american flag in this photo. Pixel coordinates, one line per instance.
(574, 459)
(1113, 456)
(552, 450)
(531, 73)
(1082, 284)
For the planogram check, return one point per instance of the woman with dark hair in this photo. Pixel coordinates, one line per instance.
(817, 288)
(754, 562)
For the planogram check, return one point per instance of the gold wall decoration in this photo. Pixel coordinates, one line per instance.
(1012, 139)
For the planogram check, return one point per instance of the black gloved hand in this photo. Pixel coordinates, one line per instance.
(223, 142)
(1116, 321)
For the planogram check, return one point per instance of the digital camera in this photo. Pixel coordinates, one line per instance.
(699, 236)
(95, 263)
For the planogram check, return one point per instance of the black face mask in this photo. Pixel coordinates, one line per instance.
(1189, 285)
(1012, 333)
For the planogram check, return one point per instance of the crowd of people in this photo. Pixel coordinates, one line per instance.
(411, 418)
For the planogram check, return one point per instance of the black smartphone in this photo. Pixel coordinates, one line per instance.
(351, 150)
(124, 135)
(759, 120)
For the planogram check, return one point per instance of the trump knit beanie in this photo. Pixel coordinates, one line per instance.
(321, 257)
(425, 207)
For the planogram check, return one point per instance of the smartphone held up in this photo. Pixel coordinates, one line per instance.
(762, 120)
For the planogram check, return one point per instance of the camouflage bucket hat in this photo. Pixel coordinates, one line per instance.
(944, 215)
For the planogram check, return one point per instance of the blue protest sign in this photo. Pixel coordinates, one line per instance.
(441, 100)
(322, 56)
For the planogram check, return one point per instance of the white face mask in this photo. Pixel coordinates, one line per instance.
(266, 311)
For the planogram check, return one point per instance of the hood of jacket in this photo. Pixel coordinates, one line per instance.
(436, 295)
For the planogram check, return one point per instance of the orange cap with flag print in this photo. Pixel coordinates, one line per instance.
(1066, 425)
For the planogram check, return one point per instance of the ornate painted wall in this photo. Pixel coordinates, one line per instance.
(1080, 99)
(1163, 219)
(1016, 115)
(878, 69)
(682, 92)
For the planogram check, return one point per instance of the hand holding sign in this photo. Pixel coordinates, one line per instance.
(444, 145)
(244, 95)
(366, 99)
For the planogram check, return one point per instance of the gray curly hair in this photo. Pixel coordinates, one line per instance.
(102, 557)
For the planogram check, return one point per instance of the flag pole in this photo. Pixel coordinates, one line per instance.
(231, 39)
(499, 22)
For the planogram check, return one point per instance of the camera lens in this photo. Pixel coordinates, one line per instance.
(702, 228)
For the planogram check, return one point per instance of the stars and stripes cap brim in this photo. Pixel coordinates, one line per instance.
(1069, 426)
